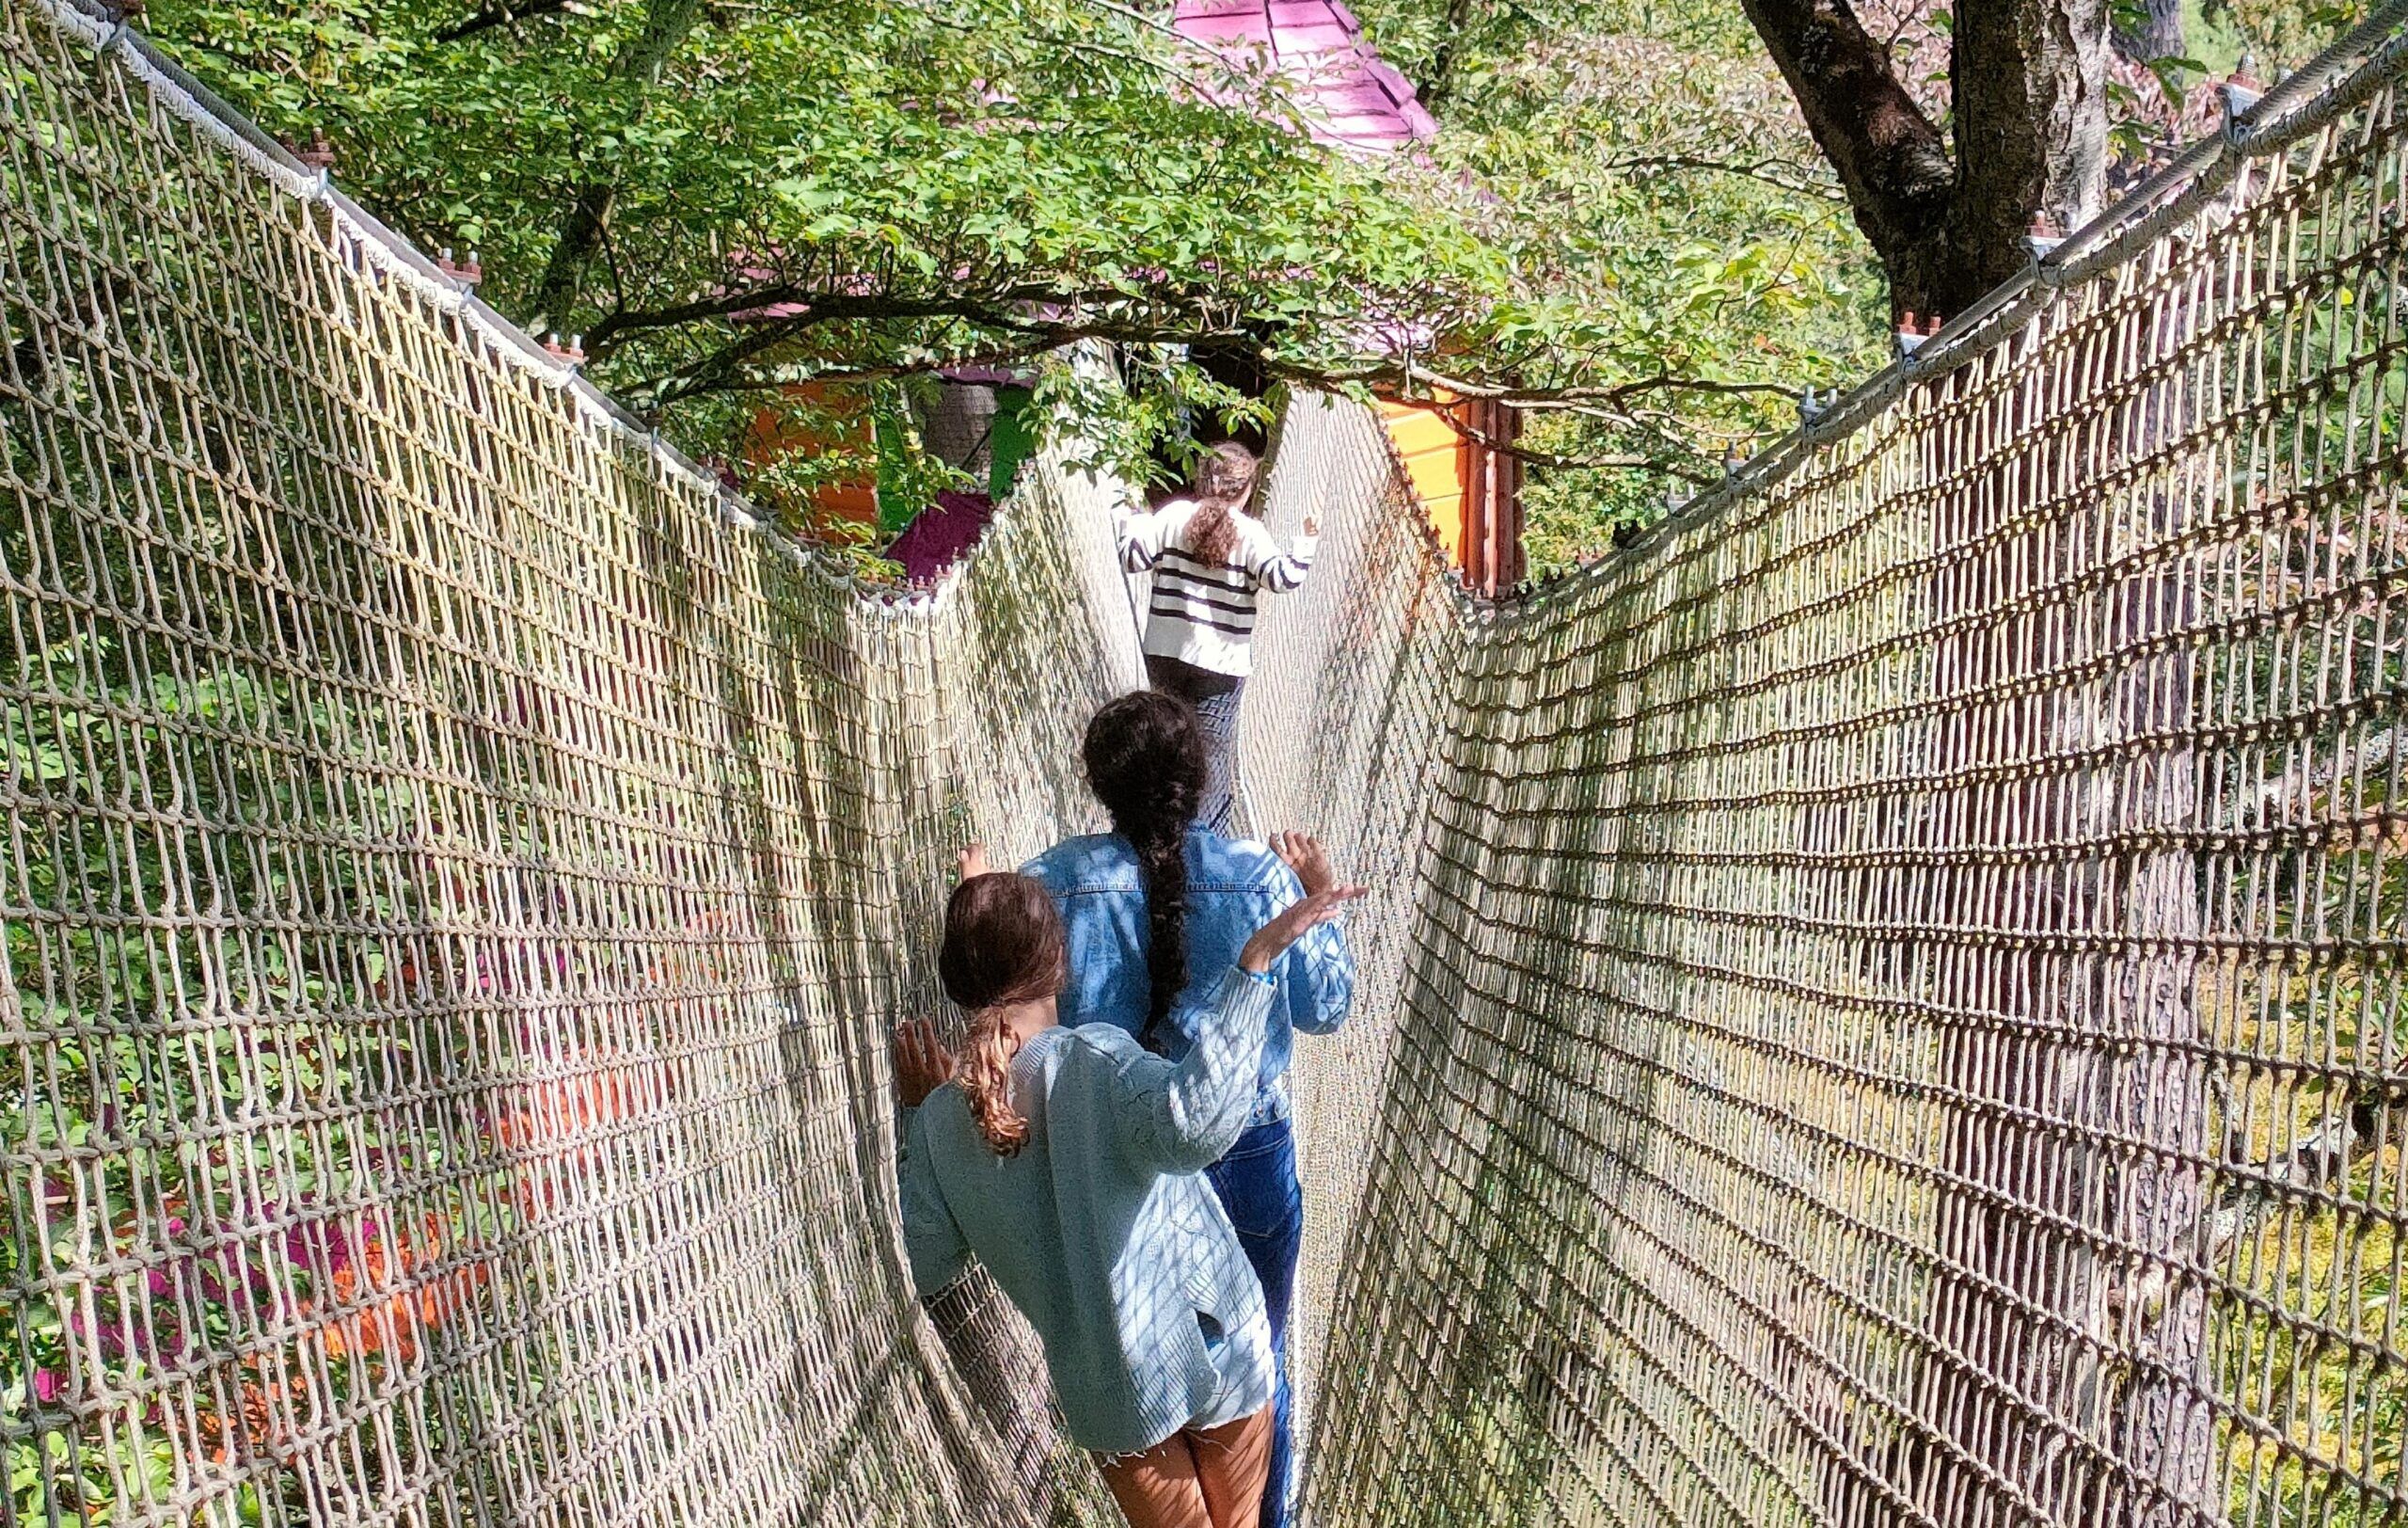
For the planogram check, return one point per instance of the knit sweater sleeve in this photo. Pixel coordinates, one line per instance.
(1183, 1117)
(1317, 974)
(940, 1253)
(1142, 537)
(1277, 571)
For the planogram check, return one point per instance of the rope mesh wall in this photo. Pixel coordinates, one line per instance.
(1900, 1021)
(1881, 1006)
(458, 884)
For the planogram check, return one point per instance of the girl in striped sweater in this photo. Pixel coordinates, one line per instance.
(1211, 560)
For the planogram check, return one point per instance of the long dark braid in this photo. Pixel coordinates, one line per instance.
(1145, 759)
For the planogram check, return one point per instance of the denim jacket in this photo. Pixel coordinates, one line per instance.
(1233, 887)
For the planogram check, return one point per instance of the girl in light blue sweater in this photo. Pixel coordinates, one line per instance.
(1066, 1160)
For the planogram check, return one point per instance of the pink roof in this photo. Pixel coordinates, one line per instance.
(1350, 96)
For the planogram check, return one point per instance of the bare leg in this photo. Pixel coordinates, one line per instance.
(1234, 1465)
(1159, 1488)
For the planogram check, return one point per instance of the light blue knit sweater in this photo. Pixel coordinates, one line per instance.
(1101, 1230)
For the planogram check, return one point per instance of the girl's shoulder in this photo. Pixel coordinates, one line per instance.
(1220, 864)
(1092, 862)
(1107, 1041)
(1257, 535)
(1101, 1054)
(944, 1114)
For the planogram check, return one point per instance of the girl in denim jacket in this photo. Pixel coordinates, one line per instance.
(1066, 1161)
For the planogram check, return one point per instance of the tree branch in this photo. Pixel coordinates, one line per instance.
(1018, 321)
(2159, 34)
(1439, 79)
(1758, 170)
(1403, 376)
(502, 15)
(1890, 159)
(638, 65)
(1166, 68)
(999, 309)
(725, 370)
(1667, 465)
(769, 378)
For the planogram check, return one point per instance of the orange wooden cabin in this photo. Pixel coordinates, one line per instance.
(774, 434)
(1471, 491)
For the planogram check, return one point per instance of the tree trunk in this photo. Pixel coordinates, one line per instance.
(2030, 83)
(1889, 156)
(2159, 34)
(2029, 117)
(666, 25)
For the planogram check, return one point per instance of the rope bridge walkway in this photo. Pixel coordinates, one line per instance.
(1882, 1004)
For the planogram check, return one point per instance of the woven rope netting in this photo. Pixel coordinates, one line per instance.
(1882, 1003)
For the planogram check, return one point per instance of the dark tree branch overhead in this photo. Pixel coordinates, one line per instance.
(1765, 170)
(994, 309)
(1018, 321)
(2028, 117)
(762, 357)
(503, 15)
(1438, 79)
(638, 67)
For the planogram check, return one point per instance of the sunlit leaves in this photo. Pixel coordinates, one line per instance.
(944, 169)
(1661, 210)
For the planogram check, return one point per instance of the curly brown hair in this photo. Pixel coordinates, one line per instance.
(1003, 945)
(1224, 483)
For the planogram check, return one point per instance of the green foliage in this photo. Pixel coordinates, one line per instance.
(1622, 193)
(131, 1065)
(1140, 423)
(2281, 35)
(913, 183)
(1623, 217)
(1664, 214)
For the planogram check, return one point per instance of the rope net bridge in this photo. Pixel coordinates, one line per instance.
(1882, 1004)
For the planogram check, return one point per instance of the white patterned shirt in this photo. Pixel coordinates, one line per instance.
(1203, 612)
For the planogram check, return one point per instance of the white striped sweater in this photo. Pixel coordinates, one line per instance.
(1202, 612)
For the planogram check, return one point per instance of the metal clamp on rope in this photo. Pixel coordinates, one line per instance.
(318, 157)
(1912, 332)
(468, 274)
(2240, 93)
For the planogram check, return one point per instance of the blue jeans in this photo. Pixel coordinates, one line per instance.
(1215, 699)
(1257, 1183)
(1217, 717)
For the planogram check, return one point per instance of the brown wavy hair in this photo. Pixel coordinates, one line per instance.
(1003, 945)
(1224, 483)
